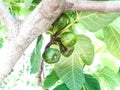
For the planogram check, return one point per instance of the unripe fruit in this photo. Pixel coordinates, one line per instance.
(68, 39)
(66, 51)
(51, 55)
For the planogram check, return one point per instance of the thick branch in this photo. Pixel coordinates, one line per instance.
(38, 22)
(8, 20)
(97, 6)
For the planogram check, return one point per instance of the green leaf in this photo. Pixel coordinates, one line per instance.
(94, 21)
(91, 83)
(109, 78)
(100, 35)
(50, 80)
(107, 60)
(36, 56)
(112, 39)
(69, 70)
(37, 1)
(16, 10)
(86, 49)
(61, 87)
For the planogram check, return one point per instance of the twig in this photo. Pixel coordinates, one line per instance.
(42, 63)
(40, 73)
(51, 41)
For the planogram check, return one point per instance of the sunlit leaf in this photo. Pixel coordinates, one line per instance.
(100, 35)
(36, 56)
(108, 78)
(112, 39)
(108, 60)
(86, 49)
(69, 70)
(94, 21)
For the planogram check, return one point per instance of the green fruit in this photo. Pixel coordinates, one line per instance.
(68, 39)
(61, 22)
(66, 51)
(51, 55)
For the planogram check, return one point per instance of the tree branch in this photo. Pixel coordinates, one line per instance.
(8, 20)
(96, 6)
(38, 22)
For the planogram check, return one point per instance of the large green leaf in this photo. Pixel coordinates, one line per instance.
(107, 59)
(112, 39)
(94, 21)
(110, 79)
(36, 56)
(50, 80)
(61, 87)
(69, 70)
(91, 83)
(86, 49)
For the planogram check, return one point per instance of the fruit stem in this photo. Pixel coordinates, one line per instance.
(68, 26)
(42, 63)
(51, 41)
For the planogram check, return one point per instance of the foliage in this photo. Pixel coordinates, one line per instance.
(50, 80)
(36, 56)
(21, 7)
(75, 70)
(61, 87)
(112, 39)
(70, 70)
(91, 81)
(109, 78)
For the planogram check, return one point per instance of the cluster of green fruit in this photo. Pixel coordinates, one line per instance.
(63, 37)
(66, 44)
